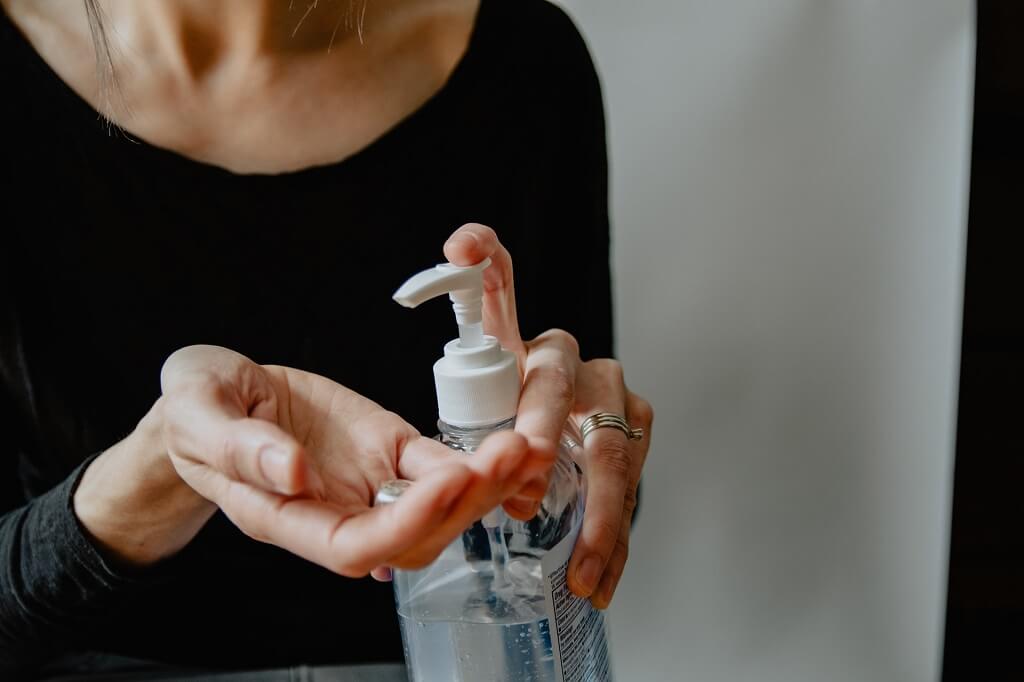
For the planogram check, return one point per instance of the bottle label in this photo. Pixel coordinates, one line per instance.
(577, 629)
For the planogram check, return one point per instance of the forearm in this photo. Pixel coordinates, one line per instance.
(69, 556)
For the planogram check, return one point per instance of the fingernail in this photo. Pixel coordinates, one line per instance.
(588, 573)
(276, 465)
(607, 592)
(468, 239)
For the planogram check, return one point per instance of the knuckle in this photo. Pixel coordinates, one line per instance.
(559, 380)
(643, 411)
(227, 458)
(180, 365)
(173, 360)
(564, 339)
(609, 368)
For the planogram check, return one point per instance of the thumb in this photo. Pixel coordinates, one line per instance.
(245, 449)
(469, 245)
(261, 454)
(209, 395)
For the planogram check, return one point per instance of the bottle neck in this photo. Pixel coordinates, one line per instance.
(467, 439)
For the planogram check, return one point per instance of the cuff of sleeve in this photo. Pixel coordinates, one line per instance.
(56, 588)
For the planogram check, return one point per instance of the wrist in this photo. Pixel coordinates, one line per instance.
(133, 504)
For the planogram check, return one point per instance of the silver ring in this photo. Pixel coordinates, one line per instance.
(602, 420)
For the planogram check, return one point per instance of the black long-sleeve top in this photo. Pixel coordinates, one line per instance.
(114, 253)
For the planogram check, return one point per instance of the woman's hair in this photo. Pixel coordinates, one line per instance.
(105, 80)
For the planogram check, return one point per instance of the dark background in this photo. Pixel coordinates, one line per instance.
(985, 609)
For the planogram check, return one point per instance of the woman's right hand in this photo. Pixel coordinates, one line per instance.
(295, 459)
(292, 459)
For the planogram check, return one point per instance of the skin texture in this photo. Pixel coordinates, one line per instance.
(290, 457)
(220, 81)
(295, 459)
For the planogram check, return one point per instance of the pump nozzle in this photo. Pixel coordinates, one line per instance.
(477, 381)
(465, 288)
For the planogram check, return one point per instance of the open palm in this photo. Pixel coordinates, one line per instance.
(295, 459)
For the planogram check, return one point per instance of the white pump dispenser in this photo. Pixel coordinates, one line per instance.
(494, 605)
(477, 381)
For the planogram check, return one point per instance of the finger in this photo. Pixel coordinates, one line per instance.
(352, 541)
(607, 474)
(191, 363)
(471, 244)
(382, 574)
(536, 489)
(608, 461)
(419, 455)
(602, 595)
(202, 425)
(525, 503)
(638, 413)
(549, 385)
(349, 540)
(521, 508)
(431, 513)
(496, 478)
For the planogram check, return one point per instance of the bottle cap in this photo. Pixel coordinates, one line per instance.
(477, 381)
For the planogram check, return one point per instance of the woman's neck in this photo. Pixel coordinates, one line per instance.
(197, 37)
(254, 85)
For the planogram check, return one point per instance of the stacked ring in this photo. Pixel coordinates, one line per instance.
(602, 420)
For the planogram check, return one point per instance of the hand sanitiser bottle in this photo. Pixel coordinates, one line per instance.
(495, 605)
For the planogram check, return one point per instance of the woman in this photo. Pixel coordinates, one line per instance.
(261, 178)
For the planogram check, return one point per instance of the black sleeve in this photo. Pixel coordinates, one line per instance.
(578, 216)
(573, 289)
(590, 203)
(586, 209)
(54, 585)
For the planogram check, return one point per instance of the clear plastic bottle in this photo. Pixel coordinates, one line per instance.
(495, 605)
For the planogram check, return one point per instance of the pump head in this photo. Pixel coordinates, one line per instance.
(477, 381)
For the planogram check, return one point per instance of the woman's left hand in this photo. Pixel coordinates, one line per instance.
(557, 386)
